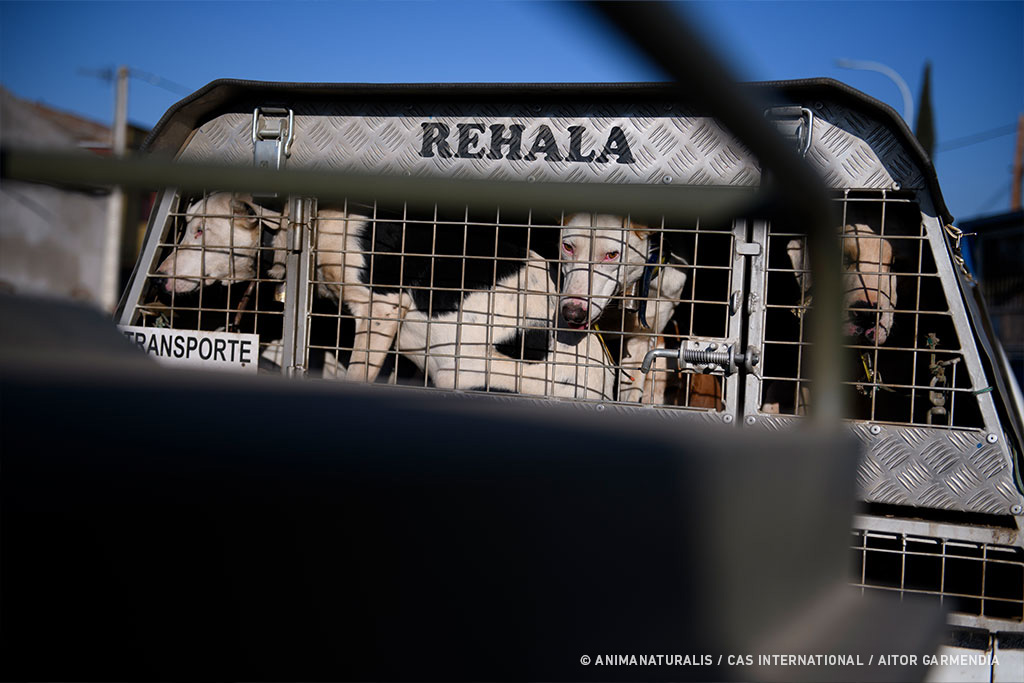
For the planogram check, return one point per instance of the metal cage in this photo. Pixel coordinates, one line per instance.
(441, 260)
(473, 299)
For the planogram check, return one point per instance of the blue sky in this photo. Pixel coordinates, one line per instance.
(976, 50)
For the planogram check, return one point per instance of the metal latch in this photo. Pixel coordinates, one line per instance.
(703, 356)
(794, 123)
(273, 132)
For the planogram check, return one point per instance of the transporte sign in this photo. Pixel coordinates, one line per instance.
(208, 350)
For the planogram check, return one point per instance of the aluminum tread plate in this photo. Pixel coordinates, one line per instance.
(926, 467)
(668, 145)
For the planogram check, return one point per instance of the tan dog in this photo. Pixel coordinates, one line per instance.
(870, 288)
(869, 298)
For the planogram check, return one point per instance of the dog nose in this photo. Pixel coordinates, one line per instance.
(574, 312)
(864, 319)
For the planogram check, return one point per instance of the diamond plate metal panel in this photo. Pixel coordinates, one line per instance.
(951, 470)
(667, 144)
(934, 468)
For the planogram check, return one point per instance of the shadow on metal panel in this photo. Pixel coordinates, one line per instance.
(162, 525)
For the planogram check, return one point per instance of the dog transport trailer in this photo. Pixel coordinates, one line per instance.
(476, 298)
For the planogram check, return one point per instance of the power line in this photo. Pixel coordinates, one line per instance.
(110, 75)
(957, 143)
(161, 82)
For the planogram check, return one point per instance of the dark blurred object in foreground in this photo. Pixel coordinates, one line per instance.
(162, 525)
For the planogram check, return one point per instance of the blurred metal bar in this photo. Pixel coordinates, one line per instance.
(657, 30)
(683, 202)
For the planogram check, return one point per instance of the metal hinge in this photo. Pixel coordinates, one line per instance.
(794, 123)
(297, 274)
(706, 357)
(273, 132)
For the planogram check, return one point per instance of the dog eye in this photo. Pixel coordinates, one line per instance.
(567, 248)
(611, 256)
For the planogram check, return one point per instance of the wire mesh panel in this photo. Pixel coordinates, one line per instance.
(563, 306)
(554, 306)
(980, 579)
(904, 351)
(215, 267)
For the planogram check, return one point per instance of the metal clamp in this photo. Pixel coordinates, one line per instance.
(695, 355)
(272, 138)
(795, 123)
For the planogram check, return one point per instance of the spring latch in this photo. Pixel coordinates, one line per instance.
(692, 357)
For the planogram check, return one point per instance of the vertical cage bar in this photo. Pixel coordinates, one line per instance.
(160, 224)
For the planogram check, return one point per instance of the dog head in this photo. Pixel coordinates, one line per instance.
(220, 243)
(869, 286)
(599, 256)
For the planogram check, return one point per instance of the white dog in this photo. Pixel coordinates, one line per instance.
(604, 256)
(220, 243)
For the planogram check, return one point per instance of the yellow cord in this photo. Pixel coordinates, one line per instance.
(608, 353)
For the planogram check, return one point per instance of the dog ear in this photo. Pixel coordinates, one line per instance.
(641, 230)
(242, 205)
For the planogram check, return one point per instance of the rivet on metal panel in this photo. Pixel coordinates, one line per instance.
(750, 419)
(896, 185)
(819, 106)
(536, 108)
(991, 438)
(1016, 509)
(875, 430)
(600, 407)
(727, 419)
(667, 179)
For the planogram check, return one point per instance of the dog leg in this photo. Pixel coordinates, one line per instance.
(634, 385)
(377, 321)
